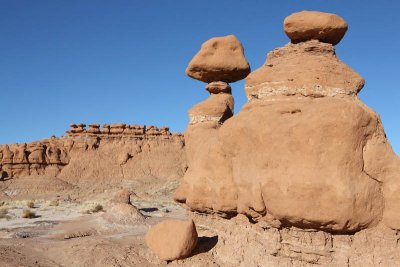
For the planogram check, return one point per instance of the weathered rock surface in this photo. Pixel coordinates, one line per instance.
(216, 108)
(300, 152)
(114, 153)
(172, 239)
(219, 59)
(125, 214)
(314, 25)
(218, 87)
(305, 69)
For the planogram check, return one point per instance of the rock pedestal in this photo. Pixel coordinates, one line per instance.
(304, 150)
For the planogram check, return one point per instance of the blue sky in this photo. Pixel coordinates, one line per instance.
(124, 61)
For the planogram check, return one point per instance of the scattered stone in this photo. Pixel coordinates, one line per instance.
(172, 239)
(219, 59)
(78, 234)
(314, 25)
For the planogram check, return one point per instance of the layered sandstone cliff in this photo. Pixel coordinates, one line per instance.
(114, 152)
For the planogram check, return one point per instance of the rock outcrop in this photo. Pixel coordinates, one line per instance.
(115, 151)
(172, 239)
(304, 151)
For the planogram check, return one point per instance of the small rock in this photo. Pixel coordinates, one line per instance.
(172, 239)
(218, 87)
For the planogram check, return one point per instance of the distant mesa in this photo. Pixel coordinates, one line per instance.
(49, 156)
(119, 130)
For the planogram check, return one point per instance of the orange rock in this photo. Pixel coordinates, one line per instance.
(218, 87)
(172, 239)
(219, 59)
(314, 25)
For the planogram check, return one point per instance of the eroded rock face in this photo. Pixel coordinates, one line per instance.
(314, 25)
(219, 59)
(300, 152)
(306, 69)
(114, 152)
(172, 239)
(125, 214)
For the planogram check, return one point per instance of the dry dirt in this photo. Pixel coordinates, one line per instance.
(65, 235)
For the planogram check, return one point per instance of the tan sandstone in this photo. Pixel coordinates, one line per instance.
(314, 25)
(172, 239)
(219, 59)
(302, 152)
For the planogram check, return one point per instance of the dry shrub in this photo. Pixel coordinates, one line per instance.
(28, 214)
(92, 209)
(3, 214)
(30, 204)
(54, 202)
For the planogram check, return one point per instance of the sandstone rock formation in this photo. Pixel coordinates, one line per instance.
(172, 239)
(122, 196)
(219, 59)
(125, 214)
(304, 151)
(314, 25)
(114, 152)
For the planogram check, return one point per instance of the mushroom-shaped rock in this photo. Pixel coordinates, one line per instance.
(219, 59)
(172, 239)
(314, 25)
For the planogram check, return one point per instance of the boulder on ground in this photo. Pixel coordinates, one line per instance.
(122, 196)
(314, 25)
(123, 213)
(172, 239)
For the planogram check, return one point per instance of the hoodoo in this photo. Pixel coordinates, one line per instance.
(304, 150)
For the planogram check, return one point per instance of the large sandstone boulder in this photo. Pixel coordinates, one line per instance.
(304, 151)
(314, 25)
(172, 239)
(219, 59)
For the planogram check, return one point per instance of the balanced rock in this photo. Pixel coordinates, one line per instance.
(314, 25)
(172, 239)
(304, 151)
(219, 87)
(219, 59)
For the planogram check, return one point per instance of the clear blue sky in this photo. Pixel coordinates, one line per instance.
(124, 61)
